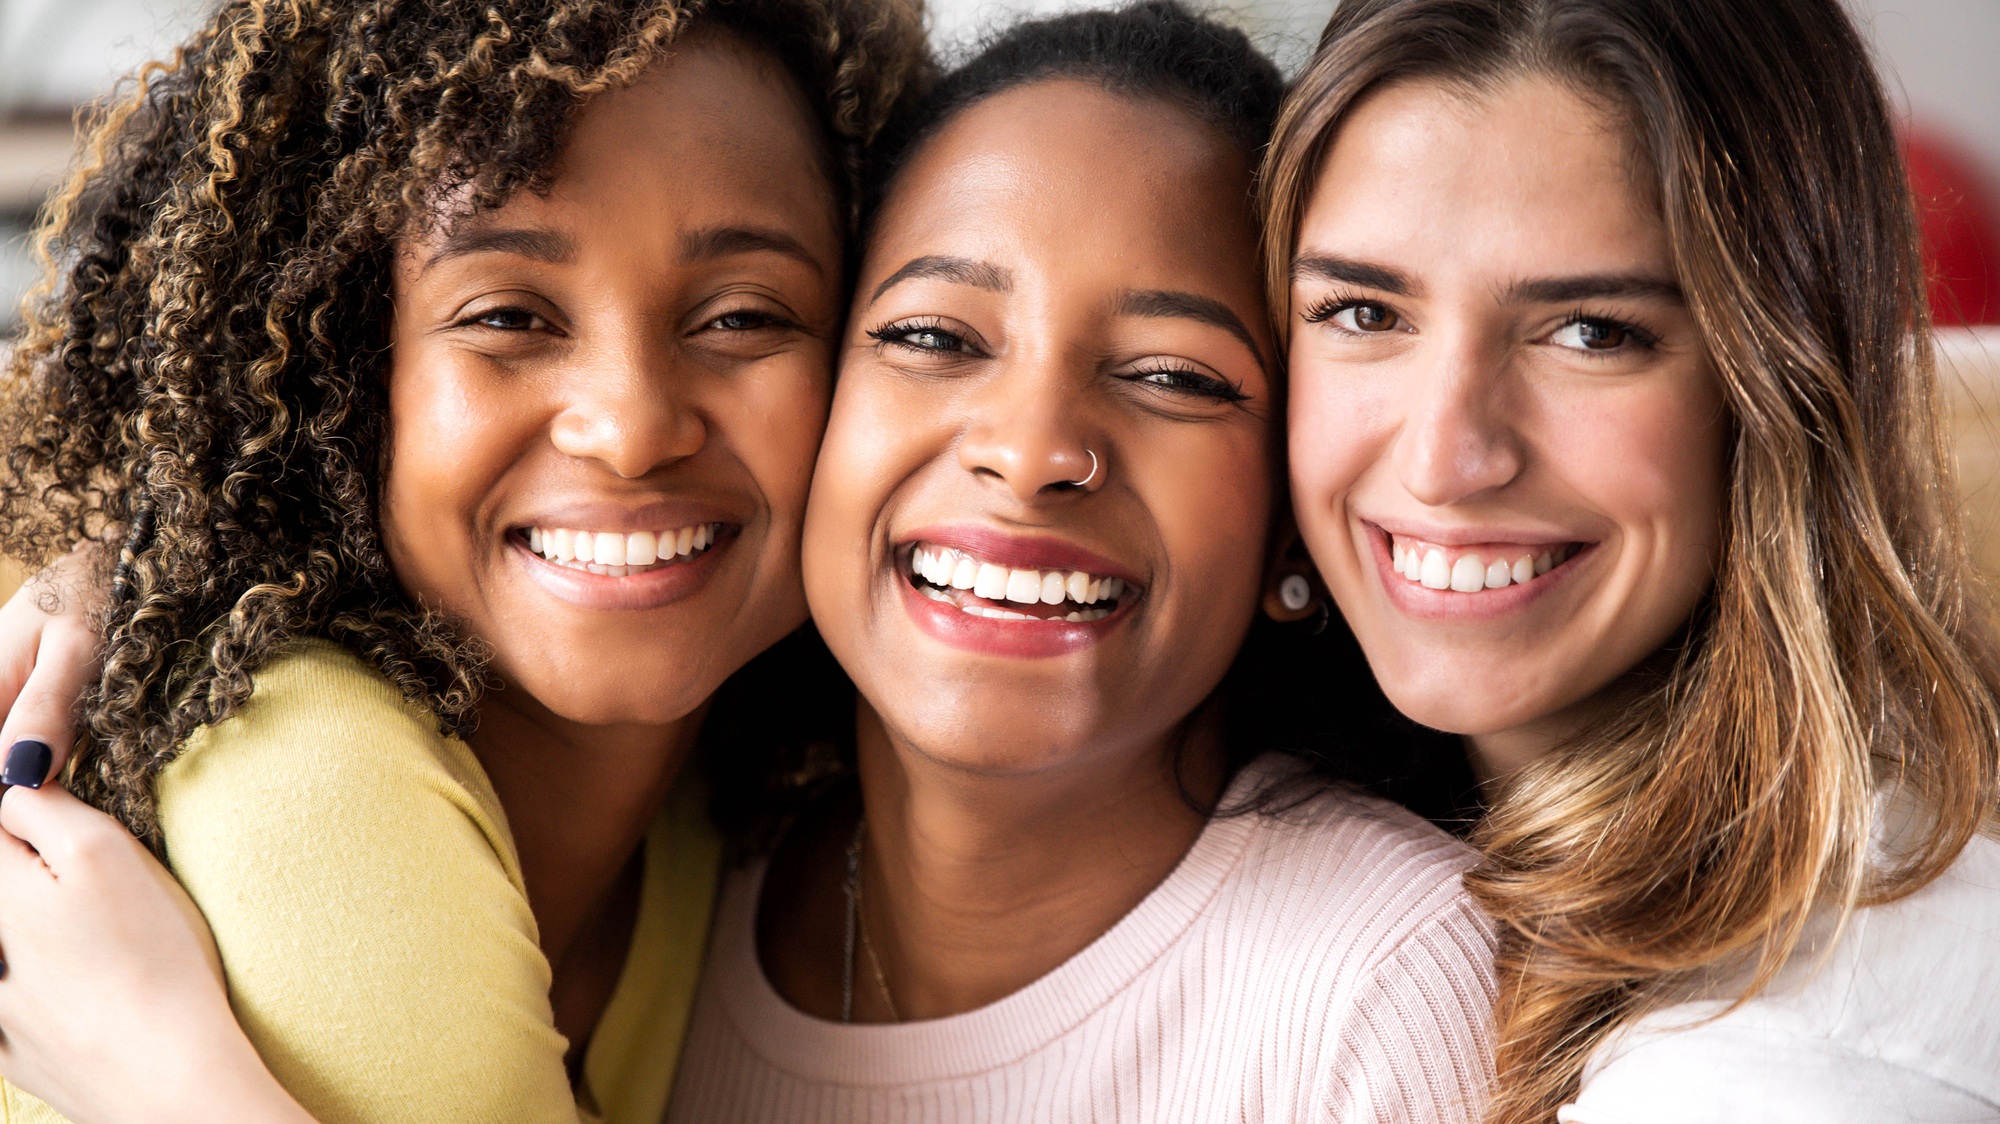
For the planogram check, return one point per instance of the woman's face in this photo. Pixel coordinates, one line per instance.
(1061, 279)
(1508, 444)
(605, 400)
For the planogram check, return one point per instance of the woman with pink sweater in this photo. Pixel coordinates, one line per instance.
(1073, 882)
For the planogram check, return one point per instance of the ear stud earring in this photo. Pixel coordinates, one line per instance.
(1295, 592)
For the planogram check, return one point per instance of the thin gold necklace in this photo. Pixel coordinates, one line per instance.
(854, 930)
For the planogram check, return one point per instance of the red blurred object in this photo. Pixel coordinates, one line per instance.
(1961, 228)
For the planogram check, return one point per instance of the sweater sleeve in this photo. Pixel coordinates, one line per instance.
(1415, 1046)
(367, 902)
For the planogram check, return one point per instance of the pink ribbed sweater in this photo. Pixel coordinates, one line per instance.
(1323, 963)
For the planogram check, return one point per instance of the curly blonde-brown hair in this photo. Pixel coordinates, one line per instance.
(202, 376)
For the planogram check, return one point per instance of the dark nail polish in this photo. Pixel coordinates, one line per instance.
(27, 763)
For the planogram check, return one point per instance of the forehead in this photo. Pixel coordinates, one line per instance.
(1512, 178)
(1062, 175)
(715, 133)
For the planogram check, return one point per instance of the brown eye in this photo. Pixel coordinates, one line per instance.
(1588, 333)
(1599, 336)
(1374, 318)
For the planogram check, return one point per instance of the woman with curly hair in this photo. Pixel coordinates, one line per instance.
(426, 361)
(1039, 533)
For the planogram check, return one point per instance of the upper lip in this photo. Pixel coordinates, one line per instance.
(601, 515)
(1018, 551)
(1439, 535)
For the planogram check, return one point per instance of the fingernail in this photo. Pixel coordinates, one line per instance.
(27, 763)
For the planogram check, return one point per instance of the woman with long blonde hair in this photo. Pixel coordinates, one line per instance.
(1614, 434)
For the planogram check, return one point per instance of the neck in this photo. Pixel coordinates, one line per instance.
(579, 800)
(977, 884)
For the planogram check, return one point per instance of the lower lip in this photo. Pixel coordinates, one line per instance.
(990, 636)
(649, 589)
(1418, 600)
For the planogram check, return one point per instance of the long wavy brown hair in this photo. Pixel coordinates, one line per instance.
(1844, 648)
(202, 377)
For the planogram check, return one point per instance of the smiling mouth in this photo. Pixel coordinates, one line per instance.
(1475, 570)
(981, 588)
(616, 554)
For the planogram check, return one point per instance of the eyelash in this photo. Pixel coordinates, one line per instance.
(1326, 308)
(479, 319)
(1189, 380)
(898, 333)
(1639, 337)
(1166, 375)
(763, 320)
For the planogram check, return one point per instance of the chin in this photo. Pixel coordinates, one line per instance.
(610, 692)
(1461, 700)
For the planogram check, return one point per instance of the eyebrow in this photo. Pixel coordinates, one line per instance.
(1568, 290)
(541, 245)
(964, 271)
(1188, 306)
(1328, 267)
(1541, 290)
(723, 241)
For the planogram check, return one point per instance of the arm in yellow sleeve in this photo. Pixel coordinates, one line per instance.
(367, 902)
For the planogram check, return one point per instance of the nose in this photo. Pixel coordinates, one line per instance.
(632, 410)
(1026, 434)
(1459, 438)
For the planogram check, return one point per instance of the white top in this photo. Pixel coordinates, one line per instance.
(1901, 1022)
(1322, 963)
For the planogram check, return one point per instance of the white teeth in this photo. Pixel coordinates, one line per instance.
(608, 549)
(617, 554)
(1470, 573)
(1024, 586)
(642, 548)
(1052, 588)
(1436, 574)
(991, 582)
(998, 614)
(942, 568)
(965, 575)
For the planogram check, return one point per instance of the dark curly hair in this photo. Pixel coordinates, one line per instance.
(1159, 49)
(202, 375)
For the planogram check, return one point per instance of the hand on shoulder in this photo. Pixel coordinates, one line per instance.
(101, 945)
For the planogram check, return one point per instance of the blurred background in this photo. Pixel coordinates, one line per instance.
(1941, 59)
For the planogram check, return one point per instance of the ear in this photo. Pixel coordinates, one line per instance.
(1288, 569)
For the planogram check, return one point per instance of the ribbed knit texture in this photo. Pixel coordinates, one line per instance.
(1323, 963)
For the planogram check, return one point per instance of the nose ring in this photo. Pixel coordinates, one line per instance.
(1093, 470)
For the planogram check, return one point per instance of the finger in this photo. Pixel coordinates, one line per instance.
(58, 826)
(41, 725)
(21, 624)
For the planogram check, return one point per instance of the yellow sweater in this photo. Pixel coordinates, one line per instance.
(367, 900)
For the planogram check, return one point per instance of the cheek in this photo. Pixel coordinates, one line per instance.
(1332, 422)
(1212, 508)
(871, 439)
(1657, 465)
(774, 425)
(433, 489)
